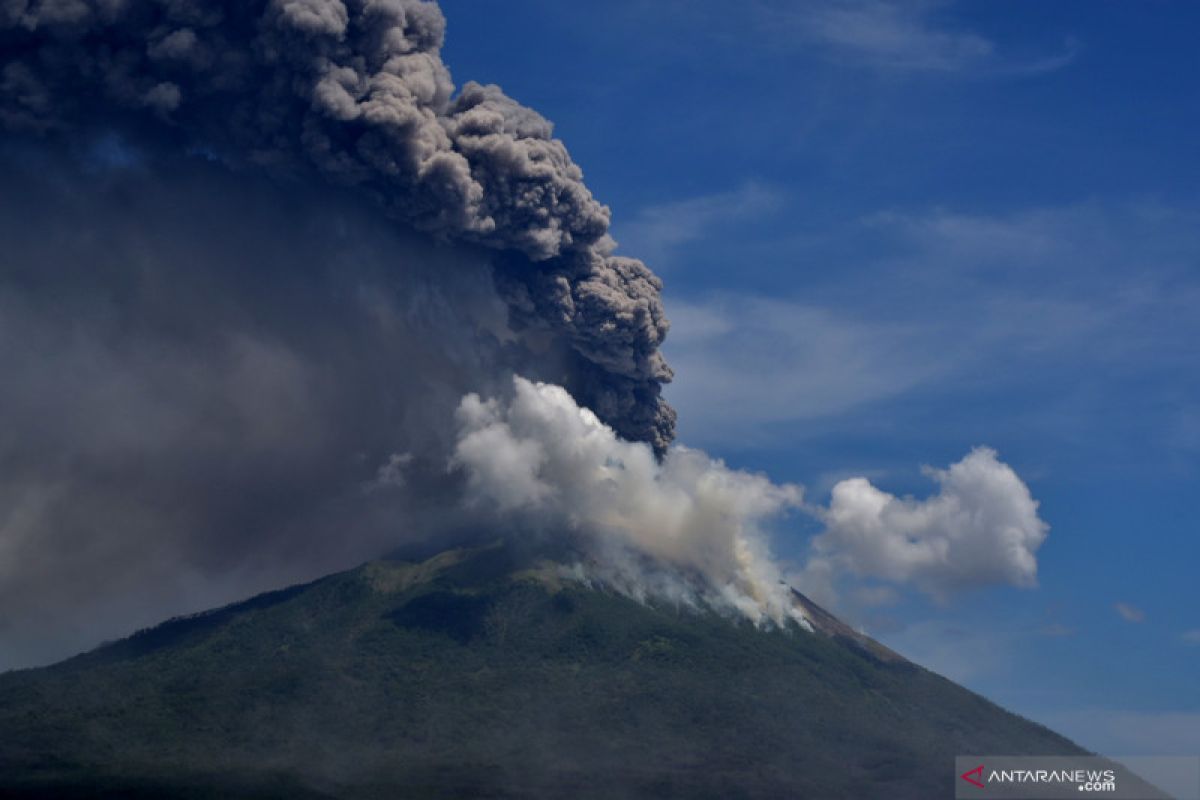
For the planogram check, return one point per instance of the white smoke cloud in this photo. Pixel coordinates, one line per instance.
(541, 454)
(981, 528)
(553, 464)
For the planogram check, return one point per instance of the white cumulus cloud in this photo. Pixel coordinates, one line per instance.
(980, 528)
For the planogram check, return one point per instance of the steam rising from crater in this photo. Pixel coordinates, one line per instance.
(541, 456)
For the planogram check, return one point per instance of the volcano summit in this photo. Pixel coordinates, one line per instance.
(491, 672)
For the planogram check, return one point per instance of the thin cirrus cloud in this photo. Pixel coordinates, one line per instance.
(659, 230)
(1129, 613)
(1089, 285)
(958, 301)
(782, 360)
(895, 35)
(899, 37)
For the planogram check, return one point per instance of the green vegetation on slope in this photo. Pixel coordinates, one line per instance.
(477, 674)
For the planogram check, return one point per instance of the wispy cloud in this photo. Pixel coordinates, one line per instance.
(894, 35)
(1039, 65)
(1191, 637)
(782, 360)
(1129, 613)
(1061, 279)
(658, 231)
(955, 302)
(898, 36)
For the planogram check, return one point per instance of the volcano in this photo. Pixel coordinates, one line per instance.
(491, 672)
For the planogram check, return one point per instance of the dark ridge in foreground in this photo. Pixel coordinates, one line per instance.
(481, 674)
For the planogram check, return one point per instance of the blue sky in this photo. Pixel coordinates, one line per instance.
(890, 233)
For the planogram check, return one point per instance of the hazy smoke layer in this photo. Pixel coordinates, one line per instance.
(214, 386)
(543, 456)
(355, 91)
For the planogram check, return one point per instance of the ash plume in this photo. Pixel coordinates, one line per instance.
(254, 253)
(356, 93)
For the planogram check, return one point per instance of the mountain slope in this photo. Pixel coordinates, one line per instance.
(480, 673)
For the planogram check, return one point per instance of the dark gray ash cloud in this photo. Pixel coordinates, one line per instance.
(357, 93)
(252, 256)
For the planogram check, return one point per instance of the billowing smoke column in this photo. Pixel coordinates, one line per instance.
(356, 92)
(543, 455)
